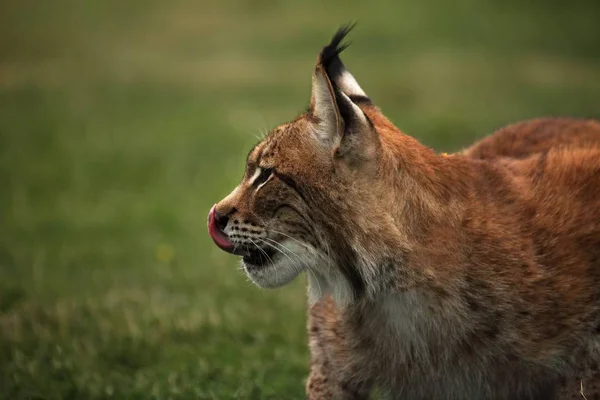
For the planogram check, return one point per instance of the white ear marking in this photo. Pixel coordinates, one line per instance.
(349, 85)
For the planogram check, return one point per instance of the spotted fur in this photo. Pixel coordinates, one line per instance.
(474, 275)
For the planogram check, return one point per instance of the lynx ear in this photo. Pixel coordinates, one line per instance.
(324, 107)
(332, 92)
(346, 82)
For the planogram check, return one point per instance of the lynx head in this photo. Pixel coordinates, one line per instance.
(312, 193)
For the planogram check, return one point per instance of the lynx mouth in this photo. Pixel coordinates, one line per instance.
(216, 233)
(258, 257)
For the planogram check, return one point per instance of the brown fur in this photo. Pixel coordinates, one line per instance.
(471, 276)
(534, 138)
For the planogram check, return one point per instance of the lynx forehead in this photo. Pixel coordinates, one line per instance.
(470, 276)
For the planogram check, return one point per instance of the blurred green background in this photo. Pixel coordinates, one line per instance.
(122, 122)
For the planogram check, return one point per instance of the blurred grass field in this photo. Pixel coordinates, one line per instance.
(121, 123)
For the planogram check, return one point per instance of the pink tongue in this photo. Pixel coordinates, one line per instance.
(216, 234)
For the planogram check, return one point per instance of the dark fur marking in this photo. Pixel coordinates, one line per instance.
(292, 184)
(330, 60)
(331, 52)
(347, 260)
(308, 223)
(360, 99)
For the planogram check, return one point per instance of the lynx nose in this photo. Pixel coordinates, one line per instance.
(221, 220)
(216, 227)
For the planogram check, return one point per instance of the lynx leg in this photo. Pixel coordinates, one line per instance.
(331, 374)
(321, 386)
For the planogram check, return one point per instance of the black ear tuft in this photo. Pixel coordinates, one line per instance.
(330, 53)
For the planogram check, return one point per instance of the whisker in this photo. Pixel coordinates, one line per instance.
(308, 267)
(302, 244)
(326, 258)
(282, 252)
(265, 253)
(293, 263)
(261, 249)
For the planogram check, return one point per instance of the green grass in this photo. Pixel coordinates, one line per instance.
(121, 123)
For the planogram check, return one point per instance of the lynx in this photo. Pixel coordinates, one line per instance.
(474, 275)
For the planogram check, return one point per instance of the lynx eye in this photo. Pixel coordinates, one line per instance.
(262, 175)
